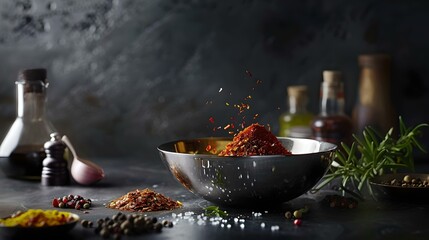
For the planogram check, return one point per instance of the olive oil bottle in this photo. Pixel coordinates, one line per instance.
(296, 122)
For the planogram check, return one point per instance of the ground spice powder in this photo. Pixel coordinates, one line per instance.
(145, 200)
(37, 218)
(254, 140)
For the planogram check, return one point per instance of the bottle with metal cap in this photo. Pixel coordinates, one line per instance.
(55, 171)
(296, 121)
(332, 124)
(22, 152)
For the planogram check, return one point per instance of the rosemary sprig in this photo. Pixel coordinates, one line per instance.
(214, 211)
(372, 155)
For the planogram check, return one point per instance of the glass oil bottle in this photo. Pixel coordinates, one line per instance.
(332, 124)
(296, 122)
(22, 152)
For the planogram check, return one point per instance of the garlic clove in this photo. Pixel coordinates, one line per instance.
(85, 172)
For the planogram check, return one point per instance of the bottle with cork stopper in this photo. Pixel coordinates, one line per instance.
(296, 121)
(332, 124)
(21, 152)
(55, 170)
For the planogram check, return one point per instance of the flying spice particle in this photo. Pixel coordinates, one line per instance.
(249, 74)
(211, 119)
(241, 109)
(208, 148)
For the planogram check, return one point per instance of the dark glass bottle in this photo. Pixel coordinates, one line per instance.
(22, 152)
(332, 124)
(374, 107)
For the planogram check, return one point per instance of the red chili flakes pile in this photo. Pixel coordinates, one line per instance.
(254, 140)
(145, 200)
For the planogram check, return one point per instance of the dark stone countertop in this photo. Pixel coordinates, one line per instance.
(371, 219)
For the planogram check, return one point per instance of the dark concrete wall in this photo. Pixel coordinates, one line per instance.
(128, 75)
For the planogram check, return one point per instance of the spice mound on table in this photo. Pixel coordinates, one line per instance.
(145, 200)
(254, 140)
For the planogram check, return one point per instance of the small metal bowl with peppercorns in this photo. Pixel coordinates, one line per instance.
(247, 181)
(404, 187)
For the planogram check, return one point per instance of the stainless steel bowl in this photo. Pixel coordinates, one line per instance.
(247, 181)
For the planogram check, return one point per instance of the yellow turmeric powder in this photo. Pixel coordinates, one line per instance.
(37, 218)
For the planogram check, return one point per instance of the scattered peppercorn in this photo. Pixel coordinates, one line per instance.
(297, 222)
(288, 215)
(72, 201)
(338, 201)
(123, 224)
(297, 214)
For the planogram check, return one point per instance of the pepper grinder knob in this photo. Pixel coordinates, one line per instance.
(55, 171)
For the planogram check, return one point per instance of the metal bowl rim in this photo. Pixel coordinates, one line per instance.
(332, 148)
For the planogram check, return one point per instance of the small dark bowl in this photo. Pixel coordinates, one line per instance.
(385, 191)
(247, 181)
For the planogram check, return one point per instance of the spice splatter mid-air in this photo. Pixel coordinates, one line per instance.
(241, 109)
(211, 119)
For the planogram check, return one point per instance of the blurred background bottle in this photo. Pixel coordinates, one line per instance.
(22, 152)
(373, 107)
(296, 122)
(332, 124)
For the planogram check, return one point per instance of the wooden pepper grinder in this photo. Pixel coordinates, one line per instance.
(55, 171)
